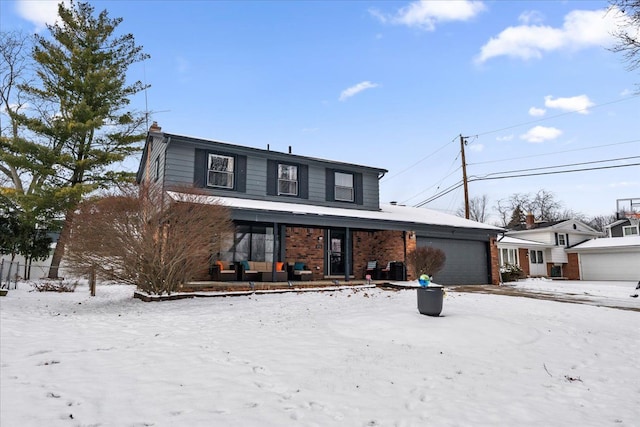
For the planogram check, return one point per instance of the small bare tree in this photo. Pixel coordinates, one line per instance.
(426, 260)
(477, 208)
(139, 238)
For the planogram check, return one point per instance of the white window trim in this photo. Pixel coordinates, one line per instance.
(349, 190)
(627, 230)
(294, 181)
(564, 239)
(228, 173)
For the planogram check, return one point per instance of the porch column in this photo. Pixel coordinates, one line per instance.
(274, 251)
(347, 253)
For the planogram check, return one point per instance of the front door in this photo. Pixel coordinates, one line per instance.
(336, 253)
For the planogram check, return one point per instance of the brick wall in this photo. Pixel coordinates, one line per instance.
(303, 245)
(495, 261)
(571, 270)
(383, 246)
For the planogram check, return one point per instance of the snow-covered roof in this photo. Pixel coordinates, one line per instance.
(508, 240)
(629, 242)
(387, 212)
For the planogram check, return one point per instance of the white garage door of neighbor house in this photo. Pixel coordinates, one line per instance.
(610, 266)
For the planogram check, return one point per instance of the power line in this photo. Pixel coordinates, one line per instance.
(434, 185)
(442, 193)
(556, 116)
(561, 166)
(554, 172)
(384, 180)
(555, 152)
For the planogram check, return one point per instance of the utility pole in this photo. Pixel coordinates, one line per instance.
(463, 142)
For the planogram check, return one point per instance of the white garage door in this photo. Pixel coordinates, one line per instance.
(610, 266)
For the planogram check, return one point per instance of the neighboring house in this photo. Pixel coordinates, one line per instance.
(623, 228)
(326, 214)
(526, 254)
(542, 246)
(611, 258)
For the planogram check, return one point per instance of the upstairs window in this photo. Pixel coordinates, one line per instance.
(562, 240)
(287, 180)
(220, 171)
(344, 187)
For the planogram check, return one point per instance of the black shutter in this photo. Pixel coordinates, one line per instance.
(272, 177)
(556, 239)
(241, 174)
(358, 189)
(566, 240)
(303, 181)
(200, 169)
(330, 182)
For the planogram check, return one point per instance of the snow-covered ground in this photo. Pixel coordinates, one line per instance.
(342, 358)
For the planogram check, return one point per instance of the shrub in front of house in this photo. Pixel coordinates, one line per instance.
(511, 273)
(426, 260)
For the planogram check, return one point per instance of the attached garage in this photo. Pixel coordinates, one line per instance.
(467, 261)
(615, 258)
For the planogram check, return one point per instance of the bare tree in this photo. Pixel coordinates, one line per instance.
(426, 260)
(542, 205)
(599, 222)
(477, 208)
(628, 34)
(137, 237)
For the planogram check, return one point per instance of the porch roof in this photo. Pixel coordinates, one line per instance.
(521, 243)
(388, 213)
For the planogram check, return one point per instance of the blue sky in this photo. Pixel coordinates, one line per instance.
(393, 85)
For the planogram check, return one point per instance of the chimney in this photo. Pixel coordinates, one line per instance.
(289, 149)
(154, 127)
(530, 221)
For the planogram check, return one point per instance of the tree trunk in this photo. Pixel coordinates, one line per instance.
(58, 252)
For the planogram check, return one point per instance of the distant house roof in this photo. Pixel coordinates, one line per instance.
(566, 225)
(545, 224)
(629, 243)
(388, 213)
(514, 241)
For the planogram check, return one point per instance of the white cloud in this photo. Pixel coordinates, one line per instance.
(626, 92)
(353, 90)
(531, 17)
(504, 138)
(426, 14)
(625, 184)
(541, 134)
(537, 112)
(579, 104)
(39, 12)
(581, 29)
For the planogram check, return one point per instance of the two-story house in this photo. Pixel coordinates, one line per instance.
(325, 214)
(540, 249)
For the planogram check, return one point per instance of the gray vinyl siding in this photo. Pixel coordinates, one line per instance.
(370, 190)
(317, 184)
(179, 164)
(182, 165)
(256, 176)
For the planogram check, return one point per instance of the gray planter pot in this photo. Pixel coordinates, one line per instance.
(430, 300)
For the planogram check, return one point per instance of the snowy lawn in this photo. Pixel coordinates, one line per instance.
(343, 358)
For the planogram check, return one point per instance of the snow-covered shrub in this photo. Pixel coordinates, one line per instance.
(55, 286)
(511, 272)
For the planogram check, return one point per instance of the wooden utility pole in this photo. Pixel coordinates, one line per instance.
(463, 142)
